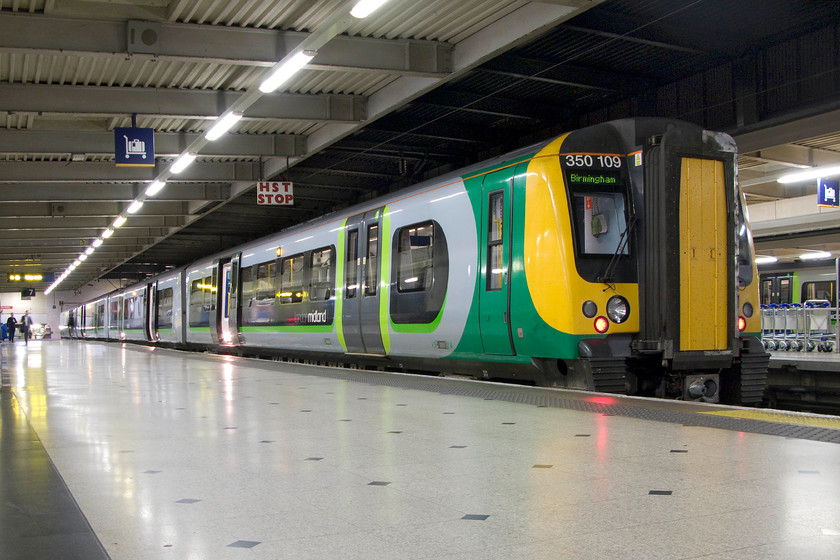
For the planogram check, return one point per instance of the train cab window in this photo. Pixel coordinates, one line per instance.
(372, 261)
(291, 279)
(351, 271)
(495, 241)
(321, 274)
(818, 290)
(415, 252)
(600, 219)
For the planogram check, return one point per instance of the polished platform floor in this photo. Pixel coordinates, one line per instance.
(122, 451)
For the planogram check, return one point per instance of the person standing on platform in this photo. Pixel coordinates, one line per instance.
(10, 324)
(26, 327)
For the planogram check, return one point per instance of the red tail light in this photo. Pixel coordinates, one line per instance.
(742, 324)
(601, 325)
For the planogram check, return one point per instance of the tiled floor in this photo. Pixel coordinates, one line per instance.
(189, 456)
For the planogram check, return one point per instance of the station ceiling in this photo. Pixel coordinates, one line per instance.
(418, 88)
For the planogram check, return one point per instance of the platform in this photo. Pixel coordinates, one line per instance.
(191, 456)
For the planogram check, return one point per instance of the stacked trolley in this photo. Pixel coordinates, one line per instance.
(796, 327)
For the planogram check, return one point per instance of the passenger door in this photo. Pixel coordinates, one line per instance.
(150, 308)
(494, 291)
(362, 283)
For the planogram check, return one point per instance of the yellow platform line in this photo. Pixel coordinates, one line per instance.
(779, 416)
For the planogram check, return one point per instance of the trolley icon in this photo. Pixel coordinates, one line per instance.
(134, 147)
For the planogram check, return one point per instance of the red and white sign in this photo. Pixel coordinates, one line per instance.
(275, 193)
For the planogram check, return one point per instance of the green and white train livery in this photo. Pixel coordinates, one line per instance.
(614, 258)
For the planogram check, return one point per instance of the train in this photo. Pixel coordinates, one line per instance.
(615, 258)
(798, 282)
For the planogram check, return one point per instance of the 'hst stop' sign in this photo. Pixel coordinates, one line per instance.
(275, 193)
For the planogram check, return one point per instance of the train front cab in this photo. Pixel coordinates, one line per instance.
(660, 228)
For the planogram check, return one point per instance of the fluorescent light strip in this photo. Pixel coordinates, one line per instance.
(182, 163)
(108, 233)
(815, 255)
(223, 124)
(119, 222)
(285, 71)
(813, 173)
(155, 188)
(765, 260)
(82, 258)
(89, 251)
(98, 241)
(364, 8)
(135, 206)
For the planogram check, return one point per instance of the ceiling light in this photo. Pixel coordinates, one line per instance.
(812, 173)
(182, 162)
(119, 222)
(765, 260)
(89, 251)
(83, 257)
(364, 8)
(97, 242)
(815, 255)
(135, 206)
(76, 263)
(285, 70)
(223, 124)
(155, 188)
(108, 233)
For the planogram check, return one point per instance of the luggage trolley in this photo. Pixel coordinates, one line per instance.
(819, 334)
(794, 333)
(773, 326)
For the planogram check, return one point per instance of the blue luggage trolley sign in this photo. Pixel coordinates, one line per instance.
(134, 147)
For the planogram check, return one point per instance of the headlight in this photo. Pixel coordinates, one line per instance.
(618, 309)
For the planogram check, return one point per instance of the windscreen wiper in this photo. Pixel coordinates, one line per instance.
(607, 277)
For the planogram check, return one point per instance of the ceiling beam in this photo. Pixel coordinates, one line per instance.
(100, 192)
(217, 44)
(167, 144)
(89, 209)
(12, 172)
(176, 103)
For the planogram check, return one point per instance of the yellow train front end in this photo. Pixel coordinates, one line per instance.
(636, 246)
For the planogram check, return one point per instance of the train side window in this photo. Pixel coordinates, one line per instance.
(266, 275)
(351, 270)
(415, 251)
(785, 290)
(320, 280)
(766, 292)
(495, 241)
(372, 261)
(818, 290)
(745, 256)
(291, 279)
(164, 308)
